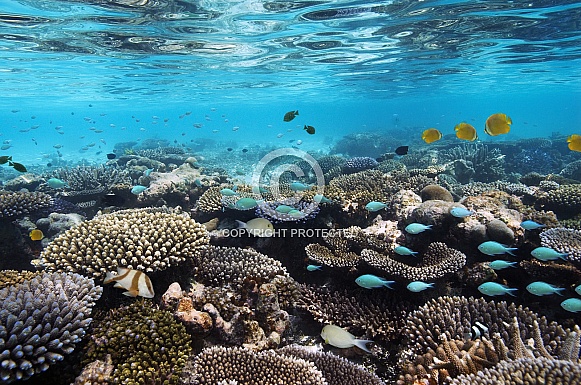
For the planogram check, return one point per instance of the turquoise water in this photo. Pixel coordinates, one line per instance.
(346, 66)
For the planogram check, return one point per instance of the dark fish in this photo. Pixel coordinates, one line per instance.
(49, 165)
(402, 150)
(111, 156)
(229, 149)
(5, 159)
(290, 115)
(18, 166)
(244, 150)
(309, 129)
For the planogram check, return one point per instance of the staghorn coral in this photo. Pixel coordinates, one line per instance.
(361, 312)
(438, 260)
(13, 204)
(87, 178)
(336, 370)
(143, 239)
(13, 277)
(41, 321)
(339, 257)
(526, 371)
(564, 241)
(223, 365)
(147, 346)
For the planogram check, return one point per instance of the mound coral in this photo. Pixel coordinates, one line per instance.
(359, 163)
(13, 204)
(143, 239)
(564, 241)
(436, 192)
(41, 321)
(146, 345)
(564, 201)
(222, 365)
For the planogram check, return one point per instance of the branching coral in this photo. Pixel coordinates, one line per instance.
(142, 239)
(41, 321)
(13, 204)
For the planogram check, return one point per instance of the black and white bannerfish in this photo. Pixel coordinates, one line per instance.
(476, 331)
(134, 281)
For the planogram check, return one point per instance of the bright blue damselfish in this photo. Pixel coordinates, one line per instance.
(402, 250)
(541, 288)
(461, 212)
(138, 189)
(418, 286)
(572, 304)
(314, 267)
(370, 281)
(494, 289)
(495, 248)
(375, 206)
(56, 183)
(416, 228)
(499, 264)
(531, 225)
(548, 254)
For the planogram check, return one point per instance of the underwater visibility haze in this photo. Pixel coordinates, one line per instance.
(290, 192)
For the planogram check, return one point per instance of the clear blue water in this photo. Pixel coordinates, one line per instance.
(347, 66)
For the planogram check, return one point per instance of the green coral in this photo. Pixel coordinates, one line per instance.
(147, 345)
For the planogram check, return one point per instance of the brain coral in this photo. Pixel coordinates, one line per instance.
(142, 239)
(147, 346)
(41, 320)
(20, 203)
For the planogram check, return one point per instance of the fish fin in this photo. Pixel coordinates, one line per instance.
(429, 226)
(108, 278)
(117, 284)
(131, 293)
(361, 344)
(510, 291)
(558, 290)
(510, 250)
(563, 256)
(388, 284)
(241, 225)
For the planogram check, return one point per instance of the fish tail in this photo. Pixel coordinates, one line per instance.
(131, 293)
(559, 290)
(109, 277)
(510, 250)
(296, 112)
(362, 344)
(563, 256)
(387, 284)
(241, 225)
(510, 291)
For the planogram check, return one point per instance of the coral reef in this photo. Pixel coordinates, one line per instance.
(564, 241)
(438, 260)
(146, 345)
(436, 192)
(13, 204)
(358, 163)
(217, 365)
(564, 200)
(142, 239)
(41, 321)
(13, 277)
(361, 312)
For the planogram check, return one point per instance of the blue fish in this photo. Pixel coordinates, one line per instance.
(461, 212)
(572, 304)
(493, 288)
(148, 172)
(56, 183)
(375, 206)
(499, 264)
(370, 281)
(284, 209)
(548, 254)
(245, 204)
(228, 192)
(138, 189)
(418, 286)
(296, 214)
(298, 186)
(314, 267)
(531, 225)
(318, 198)
(578, 290)
(542, 288)
(416, 228)
(198, 182)
(495, 248)
(402, 250)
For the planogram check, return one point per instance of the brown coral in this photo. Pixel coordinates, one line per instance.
(142, 239)
(564, 241)
(13, 204)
